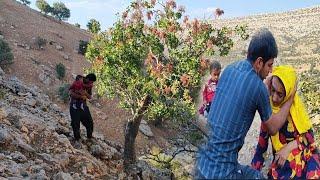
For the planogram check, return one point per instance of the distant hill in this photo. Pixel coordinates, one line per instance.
(297, 33)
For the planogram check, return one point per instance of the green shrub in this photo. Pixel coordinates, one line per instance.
(82, 47)
(63, 92)
(61, 71)
(6, 56)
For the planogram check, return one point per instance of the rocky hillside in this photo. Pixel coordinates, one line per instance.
(35, 139)
(22, 27)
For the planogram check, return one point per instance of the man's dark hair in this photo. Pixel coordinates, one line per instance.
(215, 65)
(91, 77)
(78, 77)
(262, 45)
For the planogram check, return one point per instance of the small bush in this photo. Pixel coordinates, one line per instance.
(83, 47)
(63, 92)
(6, 56)
(61, 71)
(40, 42)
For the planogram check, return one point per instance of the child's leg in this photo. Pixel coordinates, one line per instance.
(74, 104)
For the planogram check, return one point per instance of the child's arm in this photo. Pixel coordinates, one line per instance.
(204, 94)
(74, 94)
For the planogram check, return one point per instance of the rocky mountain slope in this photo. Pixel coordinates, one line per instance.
(36, 143)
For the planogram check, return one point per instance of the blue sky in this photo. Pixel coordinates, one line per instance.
(105, 10)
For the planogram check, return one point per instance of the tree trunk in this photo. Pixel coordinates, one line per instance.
(131, 133)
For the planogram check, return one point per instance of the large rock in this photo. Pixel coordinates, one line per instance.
(149, 172)
(46, 76)
(97, 151)
(145, 129)
(5, 138)
(31, 102)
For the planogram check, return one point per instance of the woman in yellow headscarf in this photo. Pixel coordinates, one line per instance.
(294, 150)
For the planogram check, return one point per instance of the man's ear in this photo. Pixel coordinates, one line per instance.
(258, 64)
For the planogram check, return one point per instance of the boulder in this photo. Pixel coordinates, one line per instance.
(145, 129)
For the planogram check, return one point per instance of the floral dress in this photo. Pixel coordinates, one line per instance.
(302, 163)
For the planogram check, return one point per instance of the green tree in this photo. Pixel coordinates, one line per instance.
(25, 2)
(93, 26)
(43, 6)
(6, 55)
(153, 59)
(77, 25)
(60, 11)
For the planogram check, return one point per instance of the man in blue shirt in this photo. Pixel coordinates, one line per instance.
(240, 93)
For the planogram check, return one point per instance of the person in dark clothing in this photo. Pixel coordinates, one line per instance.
(84, 116)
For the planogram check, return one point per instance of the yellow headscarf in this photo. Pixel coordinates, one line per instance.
(298, 111)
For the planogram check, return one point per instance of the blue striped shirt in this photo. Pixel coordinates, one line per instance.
(240, 93)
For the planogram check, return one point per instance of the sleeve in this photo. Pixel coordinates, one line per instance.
(263, 103)
(306, 141)
(262, 146)
(72, 86)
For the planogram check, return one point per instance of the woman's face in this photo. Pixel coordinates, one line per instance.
(278, 92)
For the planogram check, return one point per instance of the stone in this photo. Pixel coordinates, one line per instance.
(62, 176)
(90, 168)
(3, 113)
(145, 129)
(62, 159)
(1, 37)
(66, 57)
(5, 138)
(45, 78)
(24, 129)
(18, 157)
(97, 151)
(59, 47)
(31, 102)
(20, 143)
